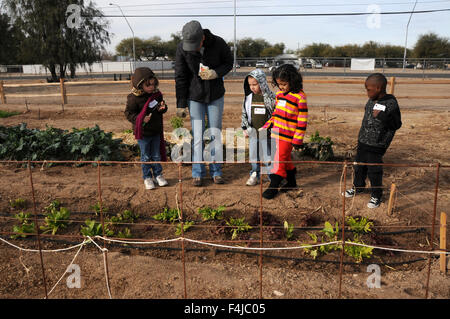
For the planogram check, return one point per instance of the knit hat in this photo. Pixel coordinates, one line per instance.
(192, 35)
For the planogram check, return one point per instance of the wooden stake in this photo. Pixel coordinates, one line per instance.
(392, 85)
(39, 114)
(2, 93)
(391, 199)
(26, 105)
(63, 91)
(62, 105)
(443, 245)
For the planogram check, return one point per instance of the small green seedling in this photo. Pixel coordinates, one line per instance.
(168, 215)
(177, 122)
(126, 233)
(94, 228)
(96, 208)
(52, 206)
(238, 225)
(358, 252)
(211, 214)
(56, 219)
(288, 230)
(25, 226)
(359, 225)
(186, 226)
(127, 216)
(18, 203)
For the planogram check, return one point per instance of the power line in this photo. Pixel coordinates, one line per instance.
(268, 15)
(265, 6)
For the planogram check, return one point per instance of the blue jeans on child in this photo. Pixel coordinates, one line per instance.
(259, 150)
(149, 146)
(213, 112)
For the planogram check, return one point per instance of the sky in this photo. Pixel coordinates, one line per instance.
(294, 32)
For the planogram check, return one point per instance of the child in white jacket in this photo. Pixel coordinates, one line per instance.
(257, 108)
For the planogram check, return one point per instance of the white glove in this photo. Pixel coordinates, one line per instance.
(208, 74)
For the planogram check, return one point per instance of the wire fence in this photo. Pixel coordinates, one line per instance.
(262, 245)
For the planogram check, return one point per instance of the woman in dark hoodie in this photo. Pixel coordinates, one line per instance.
(145, 109)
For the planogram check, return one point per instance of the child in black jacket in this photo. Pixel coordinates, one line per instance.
(381, 120)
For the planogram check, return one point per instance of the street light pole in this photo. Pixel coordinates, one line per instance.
(406, 38)
(234, 45)
(132, 32)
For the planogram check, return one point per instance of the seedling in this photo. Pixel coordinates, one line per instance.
(56, 219)
(186, 226)
(359, 226)
(23, 230)
(22, 217)
(177, 122)
(18, 203)
(358, 252)
(211, 214)
(96, 208)
(238, 226)
(127, 216)
(168, 215)
(126, 233)
(25, 226)
(288, 230)
(53, 205)
(94, 228)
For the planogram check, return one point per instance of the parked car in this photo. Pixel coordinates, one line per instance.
(261, 64)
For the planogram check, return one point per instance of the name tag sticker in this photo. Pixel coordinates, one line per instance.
(260, 111)
(282, 103)
(379, 107)
(152, 104)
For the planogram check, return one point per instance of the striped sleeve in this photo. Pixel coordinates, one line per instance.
(302, 120)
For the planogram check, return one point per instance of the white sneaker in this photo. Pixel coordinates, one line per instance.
(161, 181)
(252, 180)
(148, 182)
(374, 202)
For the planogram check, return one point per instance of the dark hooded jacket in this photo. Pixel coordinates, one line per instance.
(136, 101)
(188, 84)
(376, 133)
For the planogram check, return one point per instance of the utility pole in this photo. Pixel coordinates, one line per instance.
(132, 32)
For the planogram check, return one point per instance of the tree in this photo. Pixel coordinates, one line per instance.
(432, 46)
(249, 48)
(316, 50)
(51, 41)
(274, 50)
(9, 38)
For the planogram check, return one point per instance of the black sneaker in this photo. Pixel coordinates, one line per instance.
(374, 202)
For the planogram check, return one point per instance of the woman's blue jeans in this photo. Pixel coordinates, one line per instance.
(213, 112)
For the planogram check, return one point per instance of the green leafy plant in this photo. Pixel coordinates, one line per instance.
(210, 214)
(52, 206)
(288, 230)
(331, 234)
(128, 131)
(177, 122)
(359, 225)
(22, 217)
(94, 228)
(358, 252)
(18, 203)
(319, 147)
(126, 233)
(96, 208)
(238, 225)
(56, 219)
(5, 114)
(168, 215)
(127, 216)
(25, 227)
(186, 226)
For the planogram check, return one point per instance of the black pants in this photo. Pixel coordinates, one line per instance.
(374, 172)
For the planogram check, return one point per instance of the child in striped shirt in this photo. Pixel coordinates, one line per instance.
(288, 124)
